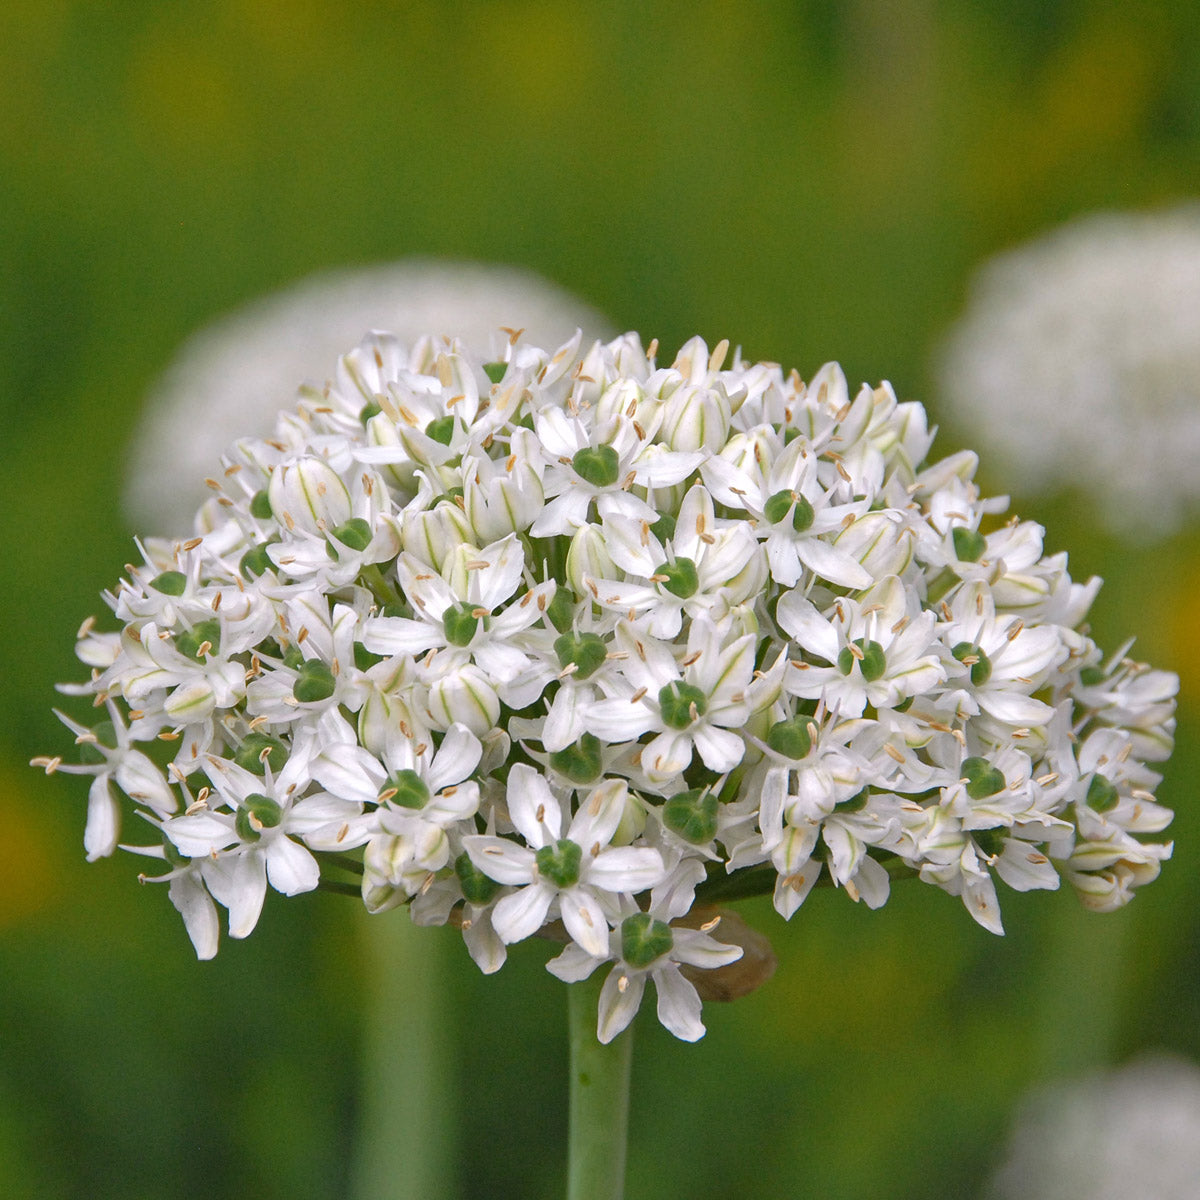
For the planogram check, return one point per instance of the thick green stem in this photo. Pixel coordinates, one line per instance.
(406, 1148)
(599, 1104)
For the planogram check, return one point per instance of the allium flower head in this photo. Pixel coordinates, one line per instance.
(568, 643)
(1077, 363)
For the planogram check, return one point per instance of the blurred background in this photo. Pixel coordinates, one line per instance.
(810, 180)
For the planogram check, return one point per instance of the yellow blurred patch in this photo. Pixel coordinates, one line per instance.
(26, 872)
(1181, 620)
(183, 96)
(1091, 95)
(539, 73)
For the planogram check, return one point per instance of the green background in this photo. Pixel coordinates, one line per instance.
(810, 180)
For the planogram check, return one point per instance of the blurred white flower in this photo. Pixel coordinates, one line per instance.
(232, 378)
(1077, 365)
(1131, 1132)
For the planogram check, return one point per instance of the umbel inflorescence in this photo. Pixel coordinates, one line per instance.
(577, 645)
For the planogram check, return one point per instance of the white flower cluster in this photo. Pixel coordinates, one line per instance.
(1077, 364)
(577, 645)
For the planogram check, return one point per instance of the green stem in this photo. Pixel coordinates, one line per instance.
(760, 881)
(406, 1146)
(372, 577)
(599, 1101)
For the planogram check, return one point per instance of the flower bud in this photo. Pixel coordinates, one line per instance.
(467, 697)
(878, 542)
(588, 558)
(386, 713)
(381, 432)
(309, 495)
(384, 861)
(505, 502)
(696, 418)
(623, 399)
(433, 534)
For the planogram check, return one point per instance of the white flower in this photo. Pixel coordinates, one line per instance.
(1077, 363)
(645, 948)
(700, 568)
(1129, 1131)
(117, 762)
(570, 865)
(881, 650)
(793, 511)
(254, 842)
(689, 709)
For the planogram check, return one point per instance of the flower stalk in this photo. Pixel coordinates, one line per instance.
(599, 1101)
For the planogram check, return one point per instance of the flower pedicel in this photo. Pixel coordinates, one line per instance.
(578, 645)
